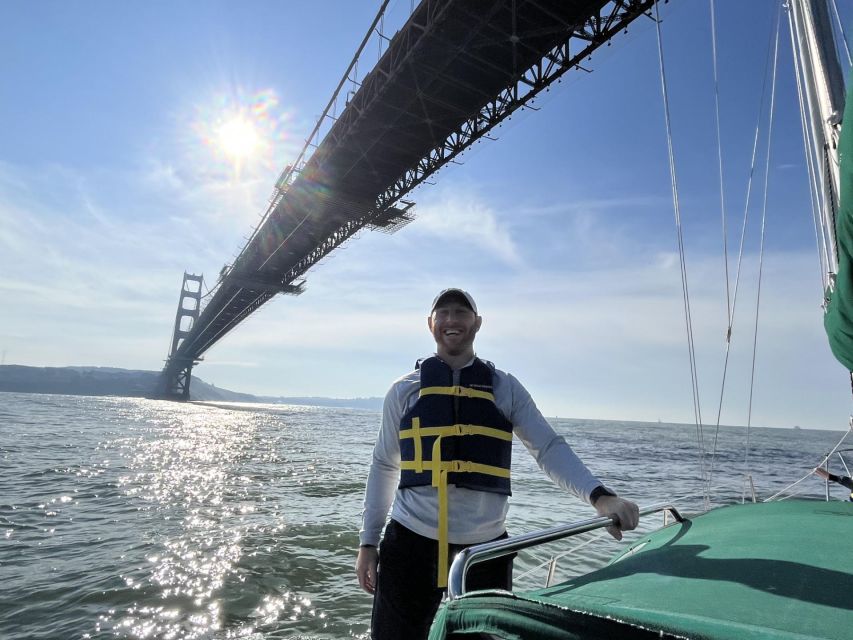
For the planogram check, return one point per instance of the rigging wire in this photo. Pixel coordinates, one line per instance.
(820, 464)
(821, 238)
(841, 29)
(742, 244)
(811, 166)
(763, 235)
(681, 253)
(844, 464)
(740, 257)
(720, 165)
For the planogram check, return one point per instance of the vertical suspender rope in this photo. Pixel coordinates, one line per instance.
(682, 261)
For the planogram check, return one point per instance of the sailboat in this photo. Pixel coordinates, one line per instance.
(774, 569)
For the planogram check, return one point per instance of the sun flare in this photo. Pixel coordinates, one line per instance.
(243, 136)
(238, 138)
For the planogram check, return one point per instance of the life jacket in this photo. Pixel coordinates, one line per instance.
(455, 434)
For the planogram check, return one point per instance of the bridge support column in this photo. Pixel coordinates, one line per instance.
(178, 371)
(175, 384)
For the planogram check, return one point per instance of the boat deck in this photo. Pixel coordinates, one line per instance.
(754, 571)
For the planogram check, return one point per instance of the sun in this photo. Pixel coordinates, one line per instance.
(243, 136)
(238, 138)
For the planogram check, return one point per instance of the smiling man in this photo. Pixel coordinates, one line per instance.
(443, 457)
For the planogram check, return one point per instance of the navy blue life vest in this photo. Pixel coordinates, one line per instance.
(475, 435)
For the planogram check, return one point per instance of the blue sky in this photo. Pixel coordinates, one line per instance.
(112, 184)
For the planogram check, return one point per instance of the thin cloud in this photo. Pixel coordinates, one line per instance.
(240, 364)
(600, 204)
(462, 217)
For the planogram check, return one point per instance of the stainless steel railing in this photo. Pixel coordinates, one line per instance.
(470, 556)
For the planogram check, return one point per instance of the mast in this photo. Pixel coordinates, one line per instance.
(823, 84)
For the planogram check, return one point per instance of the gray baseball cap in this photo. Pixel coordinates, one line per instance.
(460, 294)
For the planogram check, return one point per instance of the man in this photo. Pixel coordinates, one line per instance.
(443, 457)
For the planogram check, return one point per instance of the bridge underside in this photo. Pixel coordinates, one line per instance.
(453, 72)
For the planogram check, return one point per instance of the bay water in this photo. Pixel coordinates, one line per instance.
(135, 518)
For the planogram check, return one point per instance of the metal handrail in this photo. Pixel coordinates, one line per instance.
(470, 556)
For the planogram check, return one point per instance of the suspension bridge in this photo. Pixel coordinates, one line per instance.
(453, 72)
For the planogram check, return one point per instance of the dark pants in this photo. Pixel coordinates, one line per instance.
(407, 598)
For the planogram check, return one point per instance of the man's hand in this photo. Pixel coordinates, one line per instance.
(365, 568)
(627, 514)
(823, 473)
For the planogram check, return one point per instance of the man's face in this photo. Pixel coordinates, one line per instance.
(454, 325)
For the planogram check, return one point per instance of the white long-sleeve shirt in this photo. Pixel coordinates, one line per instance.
(473, 516)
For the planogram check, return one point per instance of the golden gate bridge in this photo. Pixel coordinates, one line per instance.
(453, 72)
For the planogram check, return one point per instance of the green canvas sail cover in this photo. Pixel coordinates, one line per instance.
(838, 320)
(768, 571)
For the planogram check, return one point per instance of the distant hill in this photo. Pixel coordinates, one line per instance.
(110, 381)
(80, 381)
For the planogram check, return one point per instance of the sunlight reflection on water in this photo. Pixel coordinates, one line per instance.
(182, 521)
(189, 473)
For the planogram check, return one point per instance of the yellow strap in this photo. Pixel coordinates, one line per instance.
(443, 545)
(440, 480)
(440, 469)
(456, 390)
(418, 432)
(455, 466)
(436, 464)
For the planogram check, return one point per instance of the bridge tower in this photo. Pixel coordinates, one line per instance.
(178, 371)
